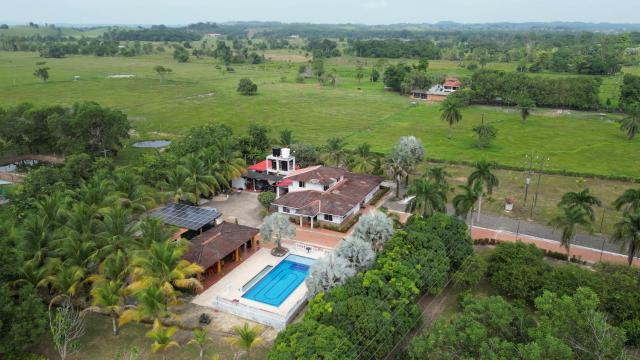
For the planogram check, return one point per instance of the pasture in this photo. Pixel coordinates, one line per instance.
(201, 91)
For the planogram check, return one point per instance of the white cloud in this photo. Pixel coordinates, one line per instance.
(375, 4)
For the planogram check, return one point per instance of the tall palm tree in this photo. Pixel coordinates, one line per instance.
(482, 174)
(396, 170)
(175, 184)
(629, 200)
(568, 221)
(162, 264)
(116, 233)
(109, 296)
(37, 238)
(153, 231)
(631, 124)
(134, 194)
(200, 338)
(98, 192)
(162, 338)
(627, 233)
(246, 337)
(65, 281)
(582, 199)
(450, 111)
(230, 164)
(465, 202)
(428, 198)
(199, 182)
(363, 160)
(334, 151)
(438, 175)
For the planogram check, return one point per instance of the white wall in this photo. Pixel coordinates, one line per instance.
(239, 183)
(371, 194)
(308, 186)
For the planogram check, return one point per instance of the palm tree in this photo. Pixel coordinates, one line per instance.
(286, 138)
(246, 337)
(568, 221)
(162, 338)
(37, 238)
(428, 198)
(200, 338)
(396, 170)
(109, 296)
(53, 208)
(151, 303)
(230, 164)
(162, 264)
(116, 232)
(134, 194)
(629, 200)
(363, 161)
(631, 124)
(583, 199)
(525, 105)
(482, 174)
(199, 181)
(153, 231)
(65, 281)
(465, 202)
(451, 112)
(97, 192)
(334, 151)
(627, 233)
(175, 183)
(439, 176)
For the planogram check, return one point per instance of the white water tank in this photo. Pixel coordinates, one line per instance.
(285, 152)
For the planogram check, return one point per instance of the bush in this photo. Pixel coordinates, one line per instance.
(266, 198)
(345, 226)
(247, 87)
(378, 195)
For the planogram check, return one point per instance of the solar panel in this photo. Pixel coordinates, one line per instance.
(186, 216)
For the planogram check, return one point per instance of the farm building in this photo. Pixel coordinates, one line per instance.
(438, 92)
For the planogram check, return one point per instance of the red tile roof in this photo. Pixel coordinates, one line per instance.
(214, 244)
(261, 166)
(323, 175)
(453, 82)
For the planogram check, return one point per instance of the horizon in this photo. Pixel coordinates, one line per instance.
(360, 12)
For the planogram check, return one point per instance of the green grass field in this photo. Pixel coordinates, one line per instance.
(197, 92)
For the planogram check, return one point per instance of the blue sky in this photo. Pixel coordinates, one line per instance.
(317, 11)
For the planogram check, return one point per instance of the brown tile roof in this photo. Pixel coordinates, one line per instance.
(214, 244)
(322, 175)
(337, 201)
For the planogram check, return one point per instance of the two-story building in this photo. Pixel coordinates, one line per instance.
(265, 174)
(325, 194)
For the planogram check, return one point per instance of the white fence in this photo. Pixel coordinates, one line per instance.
(265, 317)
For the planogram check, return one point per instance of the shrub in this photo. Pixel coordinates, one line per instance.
(247, 87)
(266, 198)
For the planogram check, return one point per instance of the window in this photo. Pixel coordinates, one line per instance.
(328, 217)
(285, 209)
(326, 187)
(301, 184)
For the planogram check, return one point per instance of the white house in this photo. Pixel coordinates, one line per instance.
(325, 194)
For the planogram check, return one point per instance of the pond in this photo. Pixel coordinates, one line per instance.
(152, 144)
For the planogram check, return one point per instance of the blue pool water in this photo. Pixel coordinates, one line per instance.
(275, 287)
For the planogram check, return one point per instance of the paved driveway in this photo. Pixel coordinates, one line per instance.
(241, 205)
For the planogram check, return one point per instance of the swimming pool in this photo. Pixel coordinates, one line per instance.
(276, 286)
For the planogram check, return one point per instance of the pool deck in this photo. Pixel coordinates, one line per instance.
(226, 294)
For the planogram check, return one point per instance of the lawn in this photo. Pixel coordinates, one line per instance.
(98, 343)
(201, 91)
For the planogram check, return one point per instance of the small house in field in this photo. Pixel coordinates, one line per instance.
(438, 92)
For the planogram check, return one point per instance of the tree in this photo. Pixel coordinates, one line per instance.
(568, 221)
(578, 323)
(67, 327)
(109, 296)
(375, 75)
(306, 154)
(358, 253)
(309, 339)
(482, 173)
(475, 269)
(396, 169)
(327, 273)
(375, 228)
(22, 313)
(162, 338)
(228, 163)
(181, 54)
(526, 106)
(259, 137)
(247, 87)
(275, 228)
(363, 160)
(423, 65)
(247, 337)
(631, 124)
(199, 181)
(162, 71)
(394, 75)
(428, 198)
(359, 72)
(286, 138)
(629, 201)
(99, 128)
(266, 198)
(627, 234)
(411, 150)
(583, 200)
(450, 111)
(334, 151)
(42, 73)
(200, 338)
(438, 175)
(486, 133)
(317, 67)
(465, 203)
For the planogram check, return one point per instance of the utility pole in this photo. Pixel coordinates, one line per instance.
(528, 180)
(535, 198)
(604, 211)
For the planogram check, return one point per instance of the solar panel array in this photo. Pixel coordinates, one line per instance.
(186, 216)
